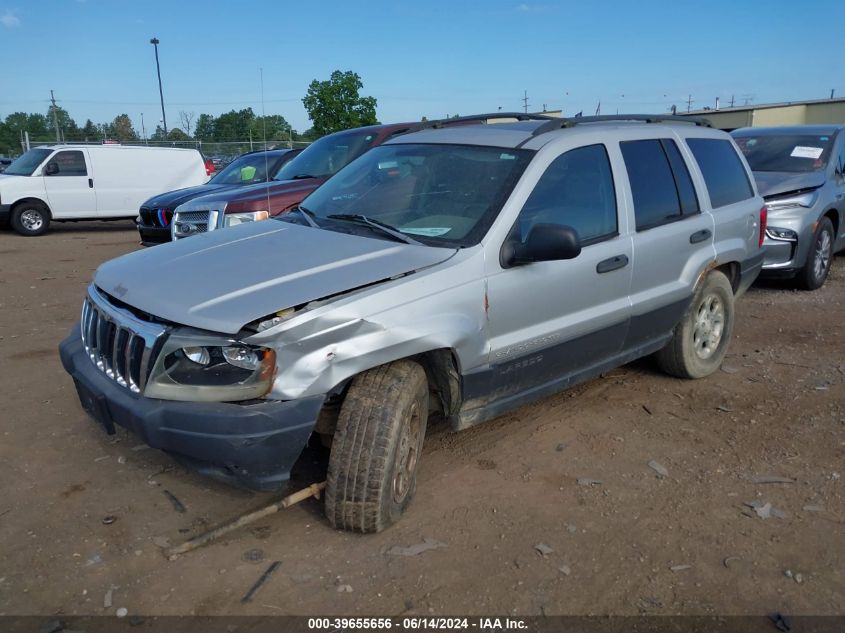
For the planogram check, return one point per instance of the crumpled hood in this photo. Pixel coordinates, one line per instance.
(772, 183)
(222, 280)
(172, 199)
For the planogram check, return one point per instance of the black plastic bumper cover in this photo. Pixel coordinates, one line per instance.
(254, 446)
(152, 235)
(5, 214)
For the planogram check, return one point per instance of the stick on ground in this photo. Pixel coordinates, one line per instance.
(245, 519)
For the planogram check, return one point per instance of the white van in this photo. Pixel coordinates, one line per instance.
(91, 182)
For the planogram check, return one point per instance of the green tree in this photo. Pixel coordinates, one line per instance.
(234, 125)
(204, 129)
(122, 128)
(336, 104)
(177, 134)
(67, 125)
(90, 132)
(275, 126)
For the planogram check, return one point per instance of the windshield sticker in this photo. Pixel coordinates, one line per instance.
(507, 157)
(807, 152)
(824, 139)
(433, 231)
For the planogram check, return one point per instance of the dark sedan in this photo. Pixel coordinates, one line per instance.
(156, 213)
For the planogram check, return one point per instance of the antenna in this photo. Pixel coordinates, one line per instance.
(264, 135)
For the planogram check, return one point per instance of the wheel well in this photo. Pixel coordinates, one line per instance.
(442, 370)
(731, 271)
(833, 215)
(40, 203)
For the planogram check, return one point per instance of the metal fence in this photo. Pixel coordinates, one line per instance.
(223, 149)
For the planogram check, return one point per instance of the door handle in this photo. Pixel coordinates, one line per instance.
(90, 183)
(700, 236)
(613, 263)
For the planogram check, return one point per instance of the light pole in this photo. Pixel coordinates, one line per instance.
(155, 43)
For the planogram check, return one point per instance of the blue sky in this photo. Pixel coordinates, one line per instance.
(423, 58)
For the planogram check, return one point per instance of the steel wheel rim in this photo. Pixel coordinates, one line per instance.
(709, 326)
(822, 258)
(32, 220)
(407, 455)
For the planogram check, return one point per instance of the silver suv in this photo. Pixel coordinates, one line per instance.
(800, 171)
(463, 271)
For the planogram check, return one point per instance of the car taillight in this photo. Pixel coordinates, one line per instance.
(209, 167)
(764, 218)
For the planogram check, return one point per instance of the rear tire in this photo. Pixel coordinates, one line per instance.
(814, 273)
(31, 219)
(376, 447)
(701, 339)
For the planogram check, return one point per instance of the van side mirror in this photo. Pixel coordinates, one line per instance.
(52, 169)
(545, 243)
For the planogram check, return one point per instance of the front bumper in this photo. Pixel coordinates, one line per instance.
(253, 446)
(5, 214)
(153, 235)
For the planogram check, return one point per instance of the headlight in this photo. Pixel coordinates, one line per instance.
(805, 200)
(778, 233)
(210, 369)
(233, 219)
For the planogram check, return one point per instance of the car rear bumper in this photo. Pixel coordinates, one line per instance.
(253, 446)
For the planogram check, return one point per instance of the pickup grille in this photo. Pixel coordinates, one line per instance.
(187, 223)
(118, 343)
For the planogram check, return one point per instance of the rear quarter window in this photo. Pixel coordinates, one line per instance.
(723, 171)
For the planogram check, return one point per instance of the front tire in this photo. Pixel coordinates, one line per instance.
(376, 447)
(31, 219)
(701, 339)
(814, 273)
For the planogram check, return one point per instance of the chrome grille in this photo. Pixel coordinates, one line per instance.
(187, 223)
(117, 342)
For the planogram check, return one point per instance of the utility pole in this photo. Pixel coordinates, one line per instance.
(155, 42)
(832, 90)
(732, 101)
(143, 130)
(689, 103)
(525, 102)
(55, 118)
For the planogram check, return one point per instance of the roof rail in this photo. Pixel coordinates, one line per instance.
(483, 118)
(556, 124)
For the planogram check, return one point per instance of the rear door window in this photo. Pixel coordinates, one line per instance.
(657, 196)
(724, 174)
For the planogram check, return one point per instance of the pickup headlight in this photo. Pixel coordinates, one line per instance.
(233, 219)
(805, 200)
(206, 369)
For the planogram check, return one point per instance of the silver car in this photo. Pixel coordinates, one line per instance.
(464, 271)
(800, 172)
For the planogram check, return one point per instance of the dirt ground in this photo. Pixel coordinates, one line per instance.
(633, 543)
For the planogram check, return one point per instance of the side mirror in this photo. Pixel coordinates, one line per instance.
(52, 169)
(545, 243)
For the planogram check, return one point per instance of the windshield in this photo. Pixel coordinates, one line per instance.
(326, 156)
(245, 170)
(27, 162)
(786, 152)
(441, 195)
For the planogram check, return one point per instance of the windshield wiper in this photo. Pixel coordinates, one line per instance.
(302, 177)
(308, 215)
(381, 226)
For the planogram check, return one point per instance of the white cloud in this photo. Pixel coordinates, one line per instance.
(9, 19)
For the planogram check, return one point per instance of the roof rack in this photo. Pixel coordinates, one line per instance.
(557, 124)
(483, 118)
